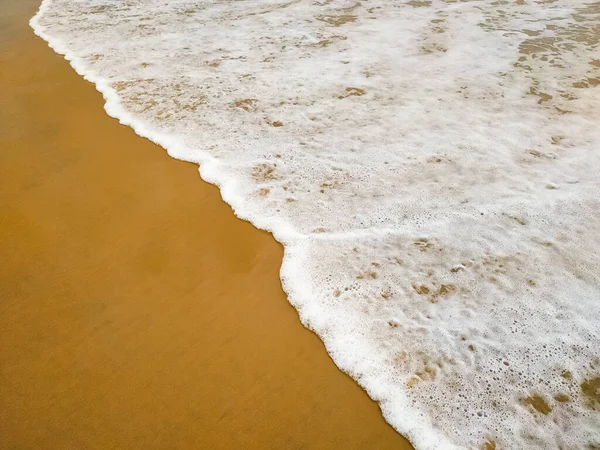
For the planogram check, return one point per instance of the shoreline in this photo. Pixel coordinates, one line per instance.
(138, 310)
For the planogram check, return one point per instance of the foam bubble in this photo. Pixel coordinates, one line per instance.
(430, 166)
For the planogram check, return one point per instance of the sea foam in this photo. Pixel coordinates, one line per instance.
(431, 167)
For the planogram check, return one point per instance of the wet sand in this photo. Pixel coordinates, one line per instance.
(135, 310)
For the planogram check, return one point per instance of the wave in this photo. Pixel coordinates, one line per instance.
(431, 168)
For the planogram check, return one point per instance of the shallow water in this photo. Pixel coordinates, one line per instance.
(430, 167)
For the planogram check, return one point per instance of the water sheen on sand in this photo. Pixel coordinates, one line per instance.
(432, 168)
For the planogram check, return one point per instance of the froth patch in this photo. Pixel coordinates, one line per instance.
(455, 322)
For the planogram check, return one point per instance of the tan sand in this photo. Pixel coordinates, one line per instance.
(135, 310)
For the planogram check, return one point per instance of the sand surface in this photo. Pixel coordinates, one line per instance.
(135, 310)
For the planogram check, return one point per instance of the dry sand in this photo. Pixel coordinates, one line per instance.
(135, 310)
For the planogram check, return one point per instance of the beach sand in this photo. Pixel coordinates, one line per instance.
(135, 310)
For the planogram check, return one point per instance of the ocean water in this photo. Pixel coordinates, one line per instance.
(431, 167)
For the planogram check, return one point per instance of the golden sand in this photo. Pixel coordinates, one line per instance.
(135, 310)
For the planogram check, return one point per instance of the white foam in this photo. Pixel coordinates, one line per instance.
(432, 169)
